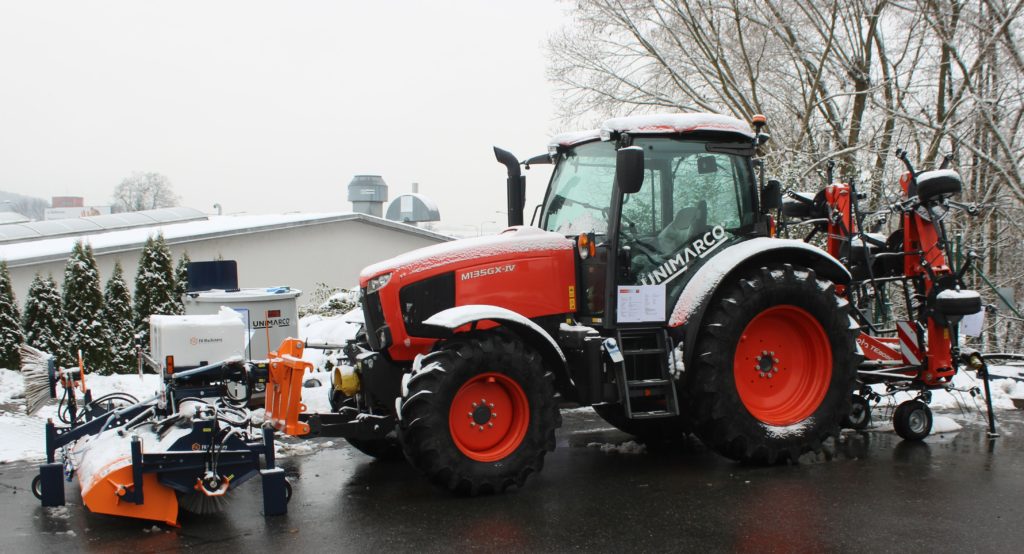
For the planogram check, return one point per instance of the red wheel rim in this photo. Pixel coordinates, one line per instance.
(783, 365)
(489, 417)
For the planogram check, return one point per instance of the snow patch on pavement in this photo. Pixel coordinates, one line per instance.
(944, 424)
(628, 447)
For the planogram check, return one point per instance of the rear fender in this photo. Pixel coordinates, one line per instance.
(701, 289)
(458, 317)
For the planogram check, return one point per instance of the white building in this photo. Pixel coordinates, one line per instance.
(297, 250)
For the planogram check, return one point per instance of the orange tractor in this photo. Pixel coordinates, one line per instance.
(650, 287)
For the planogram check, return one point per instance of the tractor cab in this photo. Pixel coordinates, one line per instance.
(692, 190)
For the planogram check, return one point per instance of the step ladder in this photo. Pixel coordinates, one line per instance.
(645, 354)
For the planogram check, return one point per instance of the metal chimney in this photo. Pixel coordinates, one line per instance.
(368, 193)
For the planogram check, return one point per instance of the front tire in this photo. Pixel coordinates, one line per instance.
(774, 366)
(480, 413)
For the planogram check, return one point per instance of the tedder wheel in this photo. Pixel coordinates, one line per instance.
(480, 413)
(649, 431)
(912, 420)
(37, 486)
(774, 366)
(385, 449)
(860, 414)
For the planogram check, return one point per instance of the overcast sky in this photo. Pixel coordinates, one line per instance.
(274, 106)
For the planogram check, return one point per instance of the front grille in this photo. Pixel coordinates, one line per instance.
(373, 314)
(424, 299)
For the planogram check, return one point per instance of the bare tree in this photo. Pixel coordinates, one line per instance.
(144, 191)
(842, 80)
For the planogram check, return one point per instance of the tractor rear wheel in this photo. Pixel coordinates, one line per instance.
(480, 413)
(774, 366)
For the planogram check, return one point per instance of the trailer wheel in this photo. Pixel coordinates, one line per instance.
(480, 414)
(912, 420)
(649, 431)
(860, 414)
(774, 366)
(37, 486)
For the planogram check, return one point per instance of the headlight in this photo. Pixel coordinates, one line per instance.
(377, 283)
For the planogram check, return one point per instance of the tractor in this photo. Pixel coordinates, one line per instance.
(648, 286)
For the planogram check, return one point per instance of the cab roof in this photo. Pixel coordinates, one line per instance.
(654, 124)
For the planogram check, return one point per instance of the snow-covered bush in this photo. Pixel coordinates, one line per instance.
(10, 327)
(328, 301)
(46, 326)
(83, 306)
(154, 285)
(117, 314)
(181, 281)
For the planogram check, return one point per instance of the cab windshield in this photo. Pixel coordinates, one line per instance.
(690, 187)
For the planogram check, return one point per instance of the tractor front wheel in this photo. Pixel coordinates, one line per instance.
(480, 413)
(774, 366)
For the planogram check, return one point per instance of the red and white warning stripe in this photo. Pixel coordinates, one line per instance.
(909, 346)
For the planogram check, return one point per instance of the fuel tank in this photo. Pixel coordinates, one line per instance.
(523, 269)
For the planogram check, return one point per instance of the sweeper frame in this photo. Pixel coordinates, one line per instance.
(194, 451)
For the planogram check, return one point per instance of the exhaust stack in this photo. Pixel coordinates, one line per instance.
(516, 186)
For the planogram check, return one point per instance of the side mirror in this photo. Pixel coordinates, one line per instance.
(629, 169)
(771, 195)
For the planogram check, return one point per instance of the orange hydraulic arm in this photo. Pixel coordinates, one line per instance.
(284, 389)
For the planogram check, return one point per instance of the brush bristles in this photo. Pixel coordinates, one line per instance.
(199, 503)
(35, 370)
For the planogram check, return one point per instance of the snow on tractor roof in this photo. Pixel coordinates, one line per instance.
(659, 124)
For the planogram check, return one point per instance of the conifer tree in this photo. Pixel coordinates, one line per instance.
(154, 285)
(46, 327)
(10, 328)
(181, 281)
(117, 315)
(83, 307)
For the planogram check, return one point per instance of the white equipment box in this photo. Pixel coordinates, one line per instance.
(197, 340)
(270, 315)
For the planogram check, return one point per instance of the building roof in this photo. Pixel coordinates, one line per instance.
(30, 252)
(77, 226)
(7, 218)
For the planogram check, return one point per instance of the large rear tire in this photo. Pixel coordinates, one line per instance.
(480, 413)
(774, 366)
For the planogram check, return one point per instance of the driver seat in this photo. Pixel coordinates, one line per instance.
(687, 223)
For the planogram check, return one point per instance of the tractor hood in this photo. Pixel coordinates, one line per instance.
(511, 243)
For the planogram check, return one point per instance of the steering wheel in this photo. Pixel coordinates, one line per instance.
(644, 248)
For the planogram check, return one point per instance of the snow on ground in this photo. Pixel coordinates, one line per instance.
(628, 447)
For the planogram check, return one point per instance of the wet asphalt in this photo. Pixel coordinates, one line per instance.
(959, 492)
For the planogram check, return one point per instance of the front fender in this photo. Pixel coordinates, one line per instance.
(531, 333)
(751, 253)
